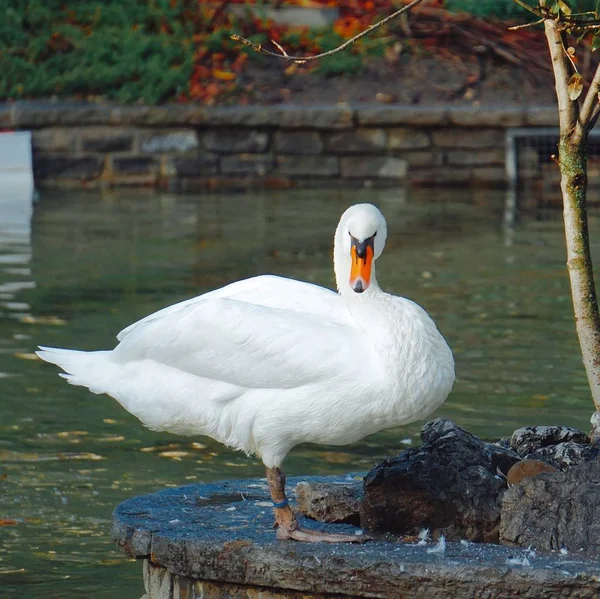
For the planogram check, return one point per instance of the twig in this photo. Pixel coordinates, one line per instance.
(589, 107)
(527, 7)
(303, 59)
(515, 27)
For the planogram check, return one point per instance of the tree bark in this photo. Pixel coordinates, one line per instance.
(572, 159)
(573, 169)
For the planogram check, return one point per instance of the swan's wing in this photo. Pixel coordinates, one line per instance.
(248, 345)
(266, 290)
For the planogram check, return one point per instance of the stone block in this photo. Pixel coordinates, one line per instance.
(247, 164)
(323, 166)
(297, 142)
(405, 138)
(330, 502)
(505, 116)
(193, 166)
(378, 114)
(133, 165)
(365, 167)
(489, 175)
(53, 139)
(424, 158)
(357, 141)
(475, 157)
(179, 142)
(105, 139)
(34, 114)
(440, 175)
(229, 141)
(542, 116)
(6, 116)
(340, 116)
(80, 168)
(476, 138)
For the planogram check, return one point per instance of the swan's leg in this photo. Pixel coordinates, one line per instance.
(286, 522)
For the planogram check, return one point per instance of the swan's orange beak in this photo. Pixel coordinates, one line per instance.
(362, 259)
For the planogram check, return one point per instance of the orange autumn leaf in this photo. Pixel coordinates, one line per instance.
(223, 75)
(7, 522)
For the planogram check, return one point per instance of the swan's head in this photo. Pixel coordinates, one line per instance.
(359, 241)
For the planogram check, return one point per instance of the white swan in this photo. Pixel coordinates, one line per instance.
(267, 363)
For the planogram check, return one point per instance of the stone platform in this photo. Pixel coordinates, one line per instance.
(216, 541)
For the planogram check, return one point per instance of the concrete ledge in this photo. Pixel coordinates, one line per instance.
(216, 540)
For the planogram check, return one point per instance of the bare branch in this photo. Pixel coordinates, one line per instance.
(589, 107)
(568, 109)
(303, 59)
(533, 24)
(526, 6)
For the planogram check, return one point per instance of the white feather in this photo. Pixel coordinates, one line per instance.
(267, 363)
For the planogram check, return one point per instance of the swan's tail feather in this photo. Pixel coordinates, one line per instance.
(81, 367)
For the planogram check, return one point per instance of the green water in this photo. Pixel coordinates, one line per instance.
(96, 263)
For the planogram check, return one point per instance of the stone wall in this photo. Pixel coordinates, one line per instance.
(183, 147)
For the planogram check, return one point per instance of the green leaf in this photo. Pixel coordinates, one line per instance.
(564, 7)
(575, 86)
(596, 41)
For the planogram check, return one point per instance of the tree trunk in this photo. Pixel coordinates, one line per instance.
(573, 169)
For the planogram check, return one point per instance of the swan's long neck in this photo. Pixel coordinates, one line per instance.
(342, 263)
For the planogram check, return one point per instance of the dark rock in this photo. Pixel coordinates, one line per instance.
(330, 502)
(595, 434)
(555, 510)
(525, 441)
(450, 485)
(564, 455)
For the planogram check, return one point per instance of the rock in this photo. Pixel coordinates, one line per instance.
(525, 441)
(449, 485)
(564, 455)
(525, 469)
(595, 422)
(330, 502)
(555, 510)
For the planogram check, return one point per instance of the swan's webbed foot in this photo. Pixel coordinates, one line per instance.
(286, 522)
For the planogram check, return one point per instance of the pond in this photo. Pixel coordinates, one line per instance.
(94, 263)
